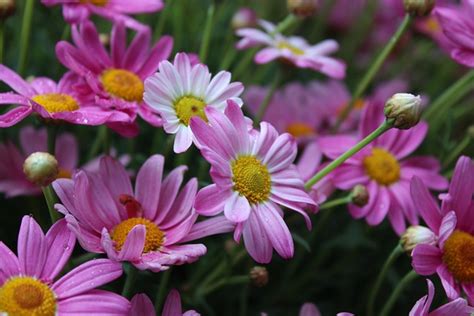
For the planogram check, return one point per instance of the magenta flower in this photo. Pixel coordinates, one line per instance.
(294, 49)
(27, 281)
(51, 100)
(115, 80)
(253, 174)
(453, 223)
(383, 167)
(457, 307)
(457, 23)
(144, 227)
(180, 91)
(78, 11)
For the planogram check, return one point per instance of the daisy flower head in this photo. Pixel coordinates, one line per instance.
(78, 11)
(384, 168)
(180, 91)
(145, 226)
(29, 284)
(294, 49)
(115, 79)
(253, 176)
(452, 258)
(51, 100)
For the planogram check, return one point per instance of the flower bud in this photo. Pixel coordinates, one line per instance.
(419, 7)
(7, 8)
(244, 17)
(302, 8)
(104, 39)
(259, 276)
(415, 235)
(360, 195)
(41, 168)
(404, 109)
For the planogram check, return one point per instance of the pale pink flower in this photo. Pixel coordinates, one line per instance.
(181, 91)
(294, 49)
(28, 281)
(253, 175)
(115, 80)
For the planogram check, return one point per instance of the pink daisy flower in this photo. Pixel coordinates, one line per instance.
(115, 80)
(180, 91)
(453, 223)
(383, 167)
(457, 307)
(294, 49)
(51, 100)
(142, 306)
(144, 227)
(78, 11)
(457, 23)
(28, 284)
(253, 175)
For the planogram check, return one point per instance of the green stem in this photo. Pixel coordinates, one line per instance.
(2, 39)
(374, 68)
(207, 34)
(240, 279)
(129, 282)
(160, 297)
(457, 150)
(161, 22)
(107, 140)
(289, 21)
(244, 62)
(95, 148)
(229, 57)
(268, 97)
(52, 133)
(25, 35)
(50, 201)
(335, 202)
(385, 126)
(396, 252)
(407, 279)
(66, 32)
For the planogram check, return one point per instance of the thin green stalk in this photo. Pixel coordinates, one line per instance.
(207, 34)
(385, 126)
(335, 202)
(240, 279)
(160, 24)
(130, 282)
(374, 68)
(396, 252)
(244, 293)
(2, 39)
(288, 22)
(456, 152)
(52, 133)
(25, 35)
(50, 201)
(244, 62)
(107, 140)
(98, 142)
(160, 297)
(407, 279)
(268, 97)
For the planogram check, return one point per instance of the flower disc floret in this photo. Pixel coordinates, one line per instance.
(382, 167)
(459, 256)
(123, 84)
(251, 179)
(187, 107)
(154, 236)
(56, 102)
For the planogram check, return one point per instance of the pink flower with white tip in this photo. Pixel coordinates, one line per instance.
(294, 49)
(145, 227)
(253, 175)
(181, 91)
(78, 11)
(115, 80)
(28, 284)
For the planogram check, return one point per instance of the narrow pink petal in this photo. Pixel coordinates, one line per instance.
(141, 306)
(457, 307)
(309, 309)
(172, 304)
(448, 225)
(134, 244)
(425, 204)
(31, 247)
(14, 116)
(169, 191)
(137, 51)
(94, 302)
(237, 208)
(210, 200)
(9, 265)
(256, 240)
(115, 177)
(148, 185)
(160, 51)
(461, 187)
(380, 207)
(449, 284)
(118, 43)
(209, 227)
(15, 81)
(426, 259)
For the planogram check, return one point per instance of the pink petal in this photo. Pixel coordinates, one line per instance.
(426, 259)
(447, 227)
(148, 183)
(141, 306)
(31, 247)
(15, 81)
(172, 304)
(309, 309)
(134, 244)
(9, 265)
(449, 284)
(237, 208)
(210, 200)
(256, 240)
(168, 192)
(213, 226)
(94, 302)
(425, 204)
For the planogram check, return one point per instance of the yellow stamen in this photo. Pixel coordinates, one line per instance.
(154, 236)
(300, 130)
(432, 25)
(123, 84)
(99, 3)
(382, 167)
(56, 102)
(188, 107)
(64, 174)
(285, 45)
(251, 179)
(458, 256)
(25, 296)
(358, 104)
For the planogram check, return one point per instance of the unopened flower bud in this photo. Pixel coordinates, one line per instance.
(302, 8)
(360, 195)
(259, 276)
(104, 39)
(419, 7)
(404, 109)
(415, 235)
(244, 17)
(7, 8)
(41, 168)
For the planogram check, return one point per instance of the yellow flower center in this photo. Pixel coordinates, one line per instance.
(382, 167)
(99, 3)
(188, 107)
(459, 256)
(154, 236)
(56, 102)
(432, 25)
(64, 174)
(123, 84)
(300, 130)
(26, 296)
(358, 104)
(251, 179)
(285, 45)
